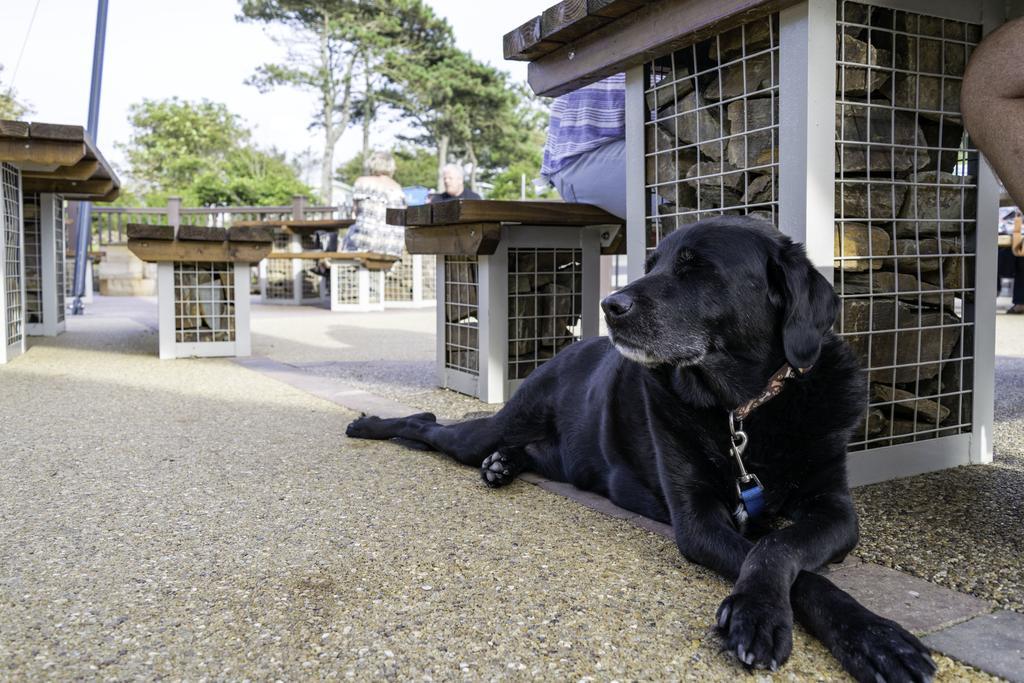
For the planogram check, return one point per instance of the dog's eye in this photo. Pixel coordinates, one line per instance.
(685, 259)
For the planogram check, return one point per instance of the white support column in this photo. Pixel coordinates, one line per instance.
(165, 309)
(493, 323)
(984, 306)
(807, 128)
(636, 177)
(243, 334)
(590, 297)
(441, 340)
(417, 279)
(51, 248)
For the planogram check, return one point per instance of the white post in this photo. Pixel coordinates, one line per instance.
(807, 128)
(243, 335)
(51, 247)
(590, 297)
(984, 306)
(441, 340)
(417, 279)
(636, 177)
(165, 308)
(363, 276)
(492, 300)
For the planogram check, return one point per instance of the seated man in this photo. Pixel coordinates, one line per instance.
(454, 185)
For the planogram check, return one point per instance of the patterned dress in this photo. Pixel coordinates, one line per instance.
(371, 232)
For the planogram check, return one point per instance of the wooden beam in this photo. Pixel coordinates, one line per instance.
(42, 152)
(614, 8)
(157, 251)
(83, 170)
(532, 212)
(653, 30)
(56, 131)
(419, 215)
(148, 231)
(299, 226)
(568, 20)
(525, 42)
(83, 188)
(370, 259)
(467, 239)
(394, 216)
(202, 233)
(260, 232)
(13, 129)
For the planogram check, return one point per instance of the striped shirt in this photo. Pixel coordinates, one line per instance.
(584, 120)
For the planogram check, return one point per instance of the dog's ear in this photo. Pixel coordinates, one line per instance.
(806, 301)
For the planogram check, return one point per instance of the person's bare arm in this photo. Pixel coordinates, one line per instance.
(992, 101)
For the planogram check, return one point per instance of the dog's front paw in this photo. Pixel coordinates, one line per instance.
(873, 648)
(362, 427)
(757, 628)
(498, 469)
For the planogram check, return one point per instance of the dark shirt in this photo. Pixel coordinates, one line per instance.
(444, 196)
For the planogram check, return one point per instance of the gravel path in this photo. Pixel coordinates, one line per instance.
(192, 519)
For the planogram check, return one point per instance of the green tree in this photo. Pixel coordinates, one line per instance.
(340, 51)
(466, 109)
(10, 106)
(203, 153)
(174, 141)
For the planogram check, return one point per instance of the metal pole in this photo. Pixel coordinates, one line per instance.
(85, 211)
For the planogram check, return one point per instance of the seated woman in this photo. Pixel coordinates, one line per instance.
(372, 195)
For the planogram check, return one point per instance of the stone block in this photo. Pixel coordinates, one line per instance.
(877, 129)
(856, 240)
(746, 150)
(866, 201)
(906, 403)
(748, 76)
(899, 342)
(936, 203)
(853, 80)
(691, 119)
(749, 38)
(906, 287)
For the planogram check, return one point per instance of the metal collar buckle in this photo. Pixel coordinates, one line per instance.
(749, 490)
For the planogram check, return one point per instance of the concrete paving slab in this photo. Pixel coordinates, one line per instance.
(993, 643)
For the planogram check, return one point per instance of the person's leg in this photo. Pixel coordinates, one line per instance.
(992, 101)
(1018, 285)
(597, 177)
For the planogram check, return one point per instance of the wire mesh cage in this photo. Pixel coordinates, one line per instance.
(60, 235)
(398, 282)
(204, 302)
(544, 305)
(12, 302)
(428, 277)
(279, 281)
(711, 129)
(345, 284)
(906, 198)
(33, 260)
(461, 314)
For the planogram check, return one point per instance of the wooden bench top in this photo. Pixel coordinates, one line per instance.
(473, 226)
(498, 211)
(302, 226)
(370, 260)
(161, 243)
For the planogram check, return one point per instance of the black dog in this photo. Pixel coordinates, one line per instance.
(728, 307)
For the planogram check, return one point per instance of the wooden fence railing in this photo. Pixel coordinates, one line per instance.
(109, 224)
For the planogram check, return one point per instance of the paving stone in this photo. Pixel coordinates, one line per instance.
(916, 604)
(992, 642)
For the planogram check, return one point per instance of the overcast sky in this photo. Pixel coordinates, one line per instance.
(193, 49)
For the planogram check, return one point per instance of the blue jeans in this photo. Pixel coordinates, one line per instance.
(597, 177)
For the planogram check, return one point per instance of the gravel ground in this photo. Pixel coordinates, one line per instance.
(962, 528)
(190, 519)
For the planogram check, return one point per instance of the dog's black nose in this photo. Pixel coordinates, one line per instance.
(617, 305)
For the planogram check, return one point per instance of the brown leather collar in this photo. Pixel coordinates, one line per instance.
(774, 388)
